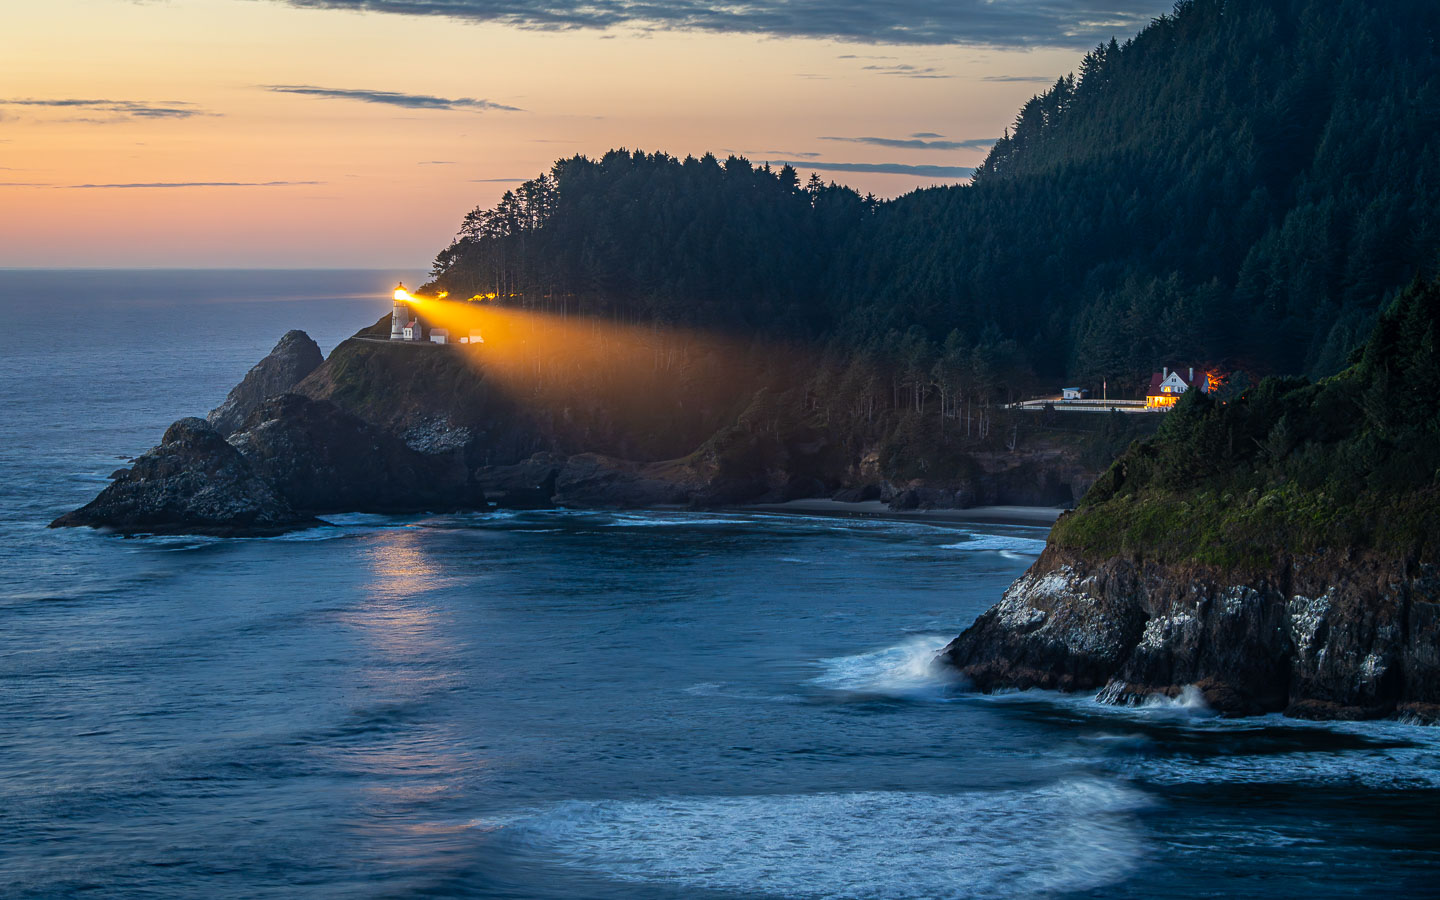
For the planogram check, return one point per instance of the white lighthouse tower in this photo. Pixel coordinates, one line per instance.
(401, 315)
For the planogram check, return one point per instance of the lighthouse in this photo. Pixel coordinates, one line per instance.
(401, 315)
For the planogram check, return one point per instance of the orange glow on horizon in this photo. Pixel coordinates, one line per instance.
(219, 168)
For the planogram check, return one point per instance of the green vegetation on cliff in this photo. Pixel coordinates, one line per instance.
(1351, 461)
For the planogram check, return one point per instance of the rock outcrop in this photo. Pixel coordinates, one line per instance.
(525, 485)
(1324, 636)
(193, 483)
(593, 480)
(321, 459)
(293, 358)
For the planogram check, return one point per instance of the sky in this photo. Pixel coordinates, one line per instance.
(357, 133)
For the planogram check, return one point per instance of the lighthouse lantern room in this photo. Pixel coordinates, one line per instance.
(404, 323)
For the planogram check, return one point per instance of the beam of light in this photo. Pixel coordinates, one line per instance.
(641, 391)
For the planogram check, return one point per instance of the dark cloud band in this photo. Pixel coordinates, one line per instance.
(391, 98)
(135, 109)
(918, 143)
(1002, 23)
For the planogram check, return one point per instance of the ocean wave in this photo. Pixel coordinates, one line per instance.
(907, 669)
(1074, 835)
(1002, 543)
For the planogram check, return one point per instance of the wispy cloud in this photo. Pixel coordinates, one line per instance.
(191, 184)
(437, 162)
(1014, 23)
(905, 70)
(798, 154)
(917, 142)
(1020, 79)
(392, 98)
(118, 109)
(926, 134)
(884, 168)
(22, 184)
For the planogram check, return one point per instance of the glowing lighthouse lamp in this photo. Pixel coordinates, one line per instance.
(404, 324)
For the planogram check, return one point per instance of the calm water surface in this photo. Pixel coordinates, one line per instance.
(573, 704)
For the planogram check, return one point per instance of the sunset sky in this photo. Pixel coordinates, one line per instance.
(323, 133)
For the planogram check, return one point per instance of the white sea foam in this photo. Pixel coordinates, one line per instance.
(366, 520)
(1269, 749)
(680, 520)
(908, 669)
(1074, 835)
(1002, 543)
(1189, 701)
(1375, 768)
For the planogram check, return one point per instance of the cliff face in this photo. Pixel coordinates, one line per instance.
(1347, 636)
(294, 458)
(321, 459)
(425, 394)
(295, 356)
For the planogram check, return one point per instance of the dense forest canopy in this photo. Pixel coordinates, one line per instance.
(1246, 182)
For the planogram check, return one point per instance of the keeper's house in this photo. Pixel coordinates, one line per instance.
(1167, 385)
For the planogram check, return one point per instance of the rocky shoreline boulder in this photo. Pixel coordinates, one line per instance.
(193, 483)
(1325, 636)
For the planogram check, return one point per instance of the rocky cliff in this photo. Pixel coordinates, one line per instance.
(322, 459)
(193, 483)
(1339, 635)
(290, 459)
(294, 357)
(1275, 548)
(390, 427)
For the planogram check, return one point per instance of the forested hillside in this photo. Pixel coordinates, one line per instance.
(1246, 182)
(1351, 461)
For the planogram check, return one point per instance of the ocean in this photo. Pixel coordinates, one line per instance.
(574, 704)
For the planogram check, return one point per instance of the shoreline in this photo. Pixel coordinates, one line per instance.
(1032, 516)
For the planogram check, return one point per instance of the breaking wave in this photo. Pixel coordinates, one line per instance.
(908, 669)
(999, 543)
(1074, 835)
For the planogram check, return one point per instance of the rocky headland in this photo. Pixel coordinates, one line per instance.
(1276, 550)
(1317, 636)
(392, 427)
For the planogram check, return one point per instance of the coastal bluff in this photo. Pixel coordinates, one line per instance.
(1274, 550)
(392, 427)
(1321, 636)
